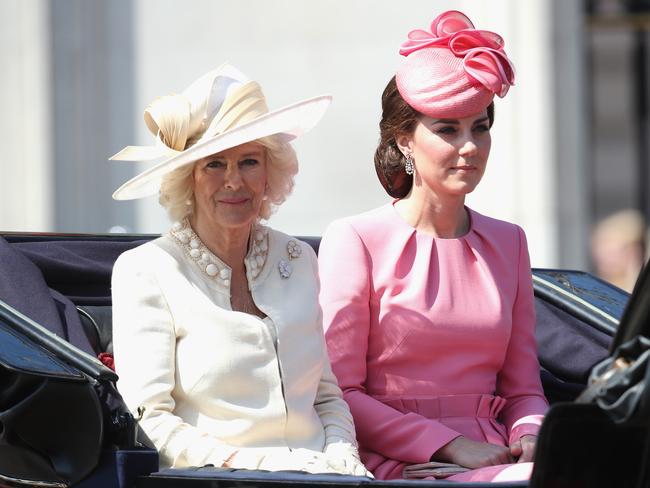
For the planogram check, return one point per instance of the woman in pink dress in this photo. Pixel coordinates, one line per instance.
(428, 304)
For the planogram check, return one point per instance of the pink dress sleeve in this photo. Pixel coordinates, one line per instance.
(344, 266)
(519, 381)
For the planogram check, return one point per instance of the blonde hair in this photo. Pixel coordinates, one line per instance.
(177, 187)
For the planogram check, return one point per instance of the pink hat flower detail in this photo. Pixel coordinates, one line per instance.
(480, 53)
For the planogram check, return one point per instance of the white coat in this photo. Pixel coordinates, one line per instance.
(213, 380)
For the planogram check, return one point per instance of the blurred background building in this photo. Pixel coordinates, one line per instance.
(570, 143)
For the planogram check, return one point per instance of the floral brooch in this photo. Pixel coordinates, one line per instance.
(293, 252)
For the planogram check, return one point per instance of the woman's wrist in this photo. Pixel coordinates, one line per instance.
(445, 453)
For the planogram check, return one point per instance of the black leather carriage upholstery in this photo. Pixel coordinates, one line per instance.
(59, 409)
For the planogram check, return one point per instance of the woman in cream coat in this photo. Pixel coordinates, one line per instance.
(217, 329)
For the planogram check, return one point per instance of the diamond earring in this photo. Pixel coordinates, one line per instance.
(408, 166)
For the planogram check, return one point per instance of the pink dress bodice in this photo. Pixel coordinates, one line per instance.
(430, 338)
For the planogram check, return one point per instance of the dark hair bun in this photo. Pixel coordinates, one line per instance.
(397, 118)
(389, 164)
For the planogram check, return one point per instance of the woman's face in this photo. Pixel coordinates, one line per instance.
(229, 186)
(449, 155)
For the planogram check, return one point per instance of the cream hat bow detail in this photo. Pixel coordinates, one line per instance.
(220, 110)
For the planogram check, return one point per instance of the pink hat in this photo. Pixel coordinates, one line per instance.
(454, 70)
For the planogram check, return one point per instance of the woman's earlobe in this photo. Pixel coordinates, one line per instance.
(404, 144)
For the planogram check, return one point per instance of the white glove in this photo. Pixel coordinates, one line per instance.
(313, 462)
(343, 458)
(280, 459)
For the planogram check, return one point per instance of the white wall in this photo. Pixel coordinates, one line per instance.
(298, 49)
(295, 49)
(25, 164)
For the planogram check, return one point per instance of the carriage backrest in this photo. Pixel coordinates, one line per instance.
(80, 267)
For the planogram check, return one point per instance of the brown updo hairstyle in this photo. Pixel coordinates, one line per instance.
(398, 118)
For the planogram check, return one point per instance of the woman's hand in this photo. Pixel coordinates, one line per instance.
(473, 454)
(524, 448)
(343, 457)
(279, 459)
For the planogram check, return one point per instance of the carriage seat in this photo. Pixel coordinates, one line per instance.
(79, 271)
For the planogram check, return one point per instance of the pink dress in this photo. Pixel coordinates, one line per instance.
(431, 338)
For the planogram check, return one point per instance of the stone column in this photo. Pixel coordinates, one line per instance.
(92, 96)
(26, 194)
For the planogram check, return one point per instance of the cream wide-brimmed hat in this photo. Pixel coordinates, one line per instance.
(220, 110)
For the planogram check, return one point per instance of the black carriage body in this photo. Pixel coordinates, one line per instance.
(577, 318)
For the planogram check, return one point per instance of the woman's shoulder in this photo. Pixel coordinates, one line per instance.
(293, 255)
(505, 238)
(288, 247)
(151, 254)
(366, 224)
(490, 225)
(283, 239)
(276, 235)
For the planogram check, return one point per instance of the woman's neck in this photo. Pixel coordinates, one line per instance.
(230, 245)
(431, 214)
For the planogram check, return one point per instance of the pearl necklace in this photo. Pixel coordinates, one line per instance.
(209, 264)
